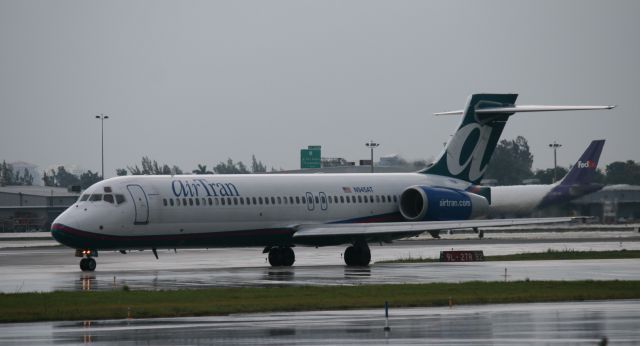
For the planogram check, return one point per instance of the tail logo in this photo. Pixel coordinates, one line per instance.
(588, 164)
(457, 150)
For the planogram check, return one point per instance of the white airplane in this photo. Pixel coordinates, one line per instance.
(523, 199)
(278, 212)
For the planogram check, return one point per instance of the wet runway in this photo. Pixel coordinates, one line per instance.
(55, 268)
(543, 323)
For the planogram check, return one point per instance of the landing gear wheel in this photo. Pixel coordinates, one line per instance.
(288, 256)
(87, 264)
(357, 255)
(281, 256)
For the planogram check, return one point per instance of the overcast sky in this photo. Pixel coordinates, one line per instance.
(188, 82)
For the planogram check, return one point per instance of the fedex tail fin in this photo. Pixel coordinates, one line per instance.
(584, 170)
(469, 150)
(579, 181)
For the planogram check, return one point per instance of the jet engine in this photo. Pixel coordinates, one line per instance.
(426, 203)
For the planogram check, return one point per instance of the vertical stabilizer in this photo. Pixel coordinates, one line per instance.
(469, 150)
(584, 170)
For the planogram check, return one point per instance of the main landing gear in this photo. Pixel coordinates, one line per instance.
(281, 256)
(87, 263)
(357, 254)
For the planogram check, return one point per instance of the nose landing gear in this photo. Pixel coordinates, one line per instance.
(87, 263)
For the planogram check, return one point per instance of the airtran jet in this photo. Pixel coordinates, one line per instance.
(281, 211)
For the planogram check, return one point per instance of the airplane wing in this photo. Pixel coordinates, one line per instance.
(314, 233)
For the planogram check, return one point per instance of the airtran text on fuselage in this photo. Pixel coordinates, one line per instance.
(202, 188)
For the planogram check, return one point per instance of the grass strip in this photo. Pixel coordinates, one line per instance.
(540, 256)
(28, 307)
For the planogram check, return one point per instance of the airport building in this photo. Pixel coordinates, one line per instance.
(612, 204)
(32, 208)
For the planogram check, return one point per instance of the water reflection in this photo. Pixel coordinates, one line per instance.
(86, 282)
(279, 274)
(357, 272)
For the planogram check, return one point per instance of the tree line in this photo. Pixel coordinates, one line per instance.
(510, 165)
(512, 160)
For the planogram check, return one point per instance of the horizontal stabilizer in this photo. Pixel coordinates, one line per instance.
(527, 108)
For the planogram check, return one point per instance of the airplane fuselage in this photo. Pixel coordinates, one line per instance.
(229, 210)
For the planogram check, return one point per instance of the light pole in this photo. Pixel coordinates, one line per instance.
(372, 145)
(555, 147)
(102, 117)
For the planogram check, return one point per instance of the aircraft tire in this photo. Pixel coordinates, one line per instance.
(91, 264)
(288, 256)
(83, 264)
(350, 256)
(87, 264)
(357, 256)
(275, 257)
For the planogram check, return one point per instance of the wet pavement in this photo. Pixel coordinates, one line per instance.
(581, 323)
(55, 268)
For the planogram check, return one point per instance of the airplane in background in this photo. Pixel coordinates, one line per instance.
(521, 200)
(280, 211)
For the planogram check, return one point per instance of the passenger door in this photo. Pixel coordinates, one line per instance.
(140, 203)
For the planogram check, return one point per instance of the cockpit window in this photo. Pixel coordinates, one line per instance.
(84, 197)
(95, 197)
(108, 198)
(120, 199)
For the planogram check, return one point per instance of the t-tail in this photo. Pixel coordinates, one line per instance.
(579, 181)
(469, 150)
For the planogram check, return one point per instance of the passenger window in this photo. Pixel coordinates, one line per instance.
(184, 202)
(204, 201)
(317, 200)
(389, 198)
(84, 197)
(260, 200)
(171, 201)
(266, 200)
(279, 200)
(341, 199)
(235, 200)
(284, 199)
(109, 199)
(95, 197)
(370, 199)
(178, 202)
(242, 200)
(323, 199)
(395, 198)
(217, 201)
(290, 200)
(304, 200)
(228, 200)
(107, 189)
(297, 200)
(164, 200)
(330, 198)
(191, 201)
(197, 201)
(210, 201)
(222, 201)
(359, 199)
(273, 200)
(120, 199)
(383, 200)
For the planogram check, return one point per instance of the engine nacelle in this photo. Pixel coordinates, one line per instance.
(425, 203)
